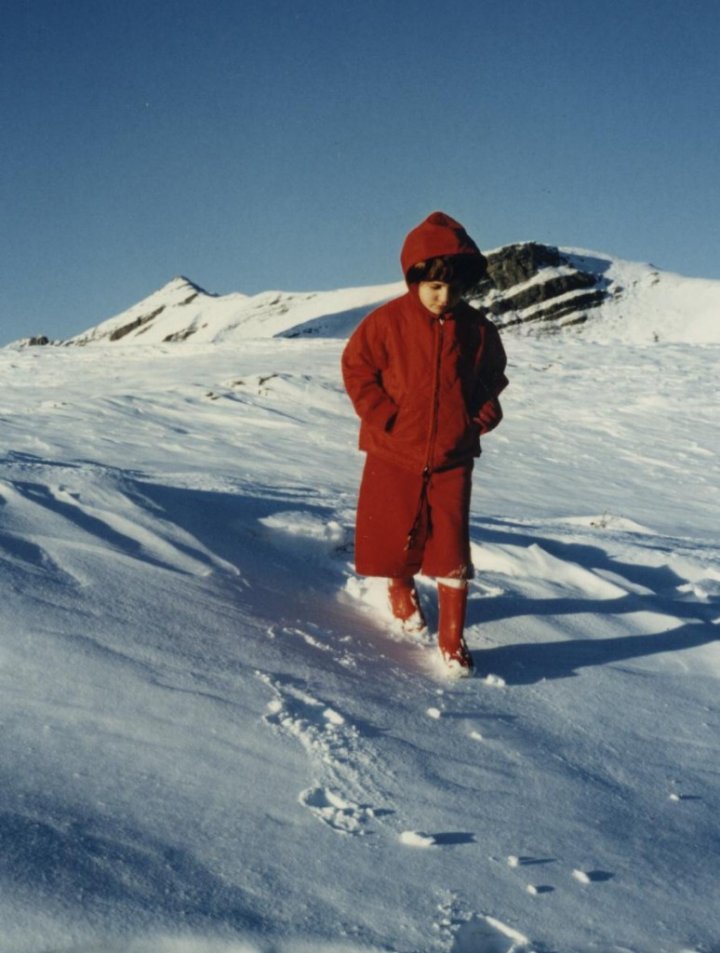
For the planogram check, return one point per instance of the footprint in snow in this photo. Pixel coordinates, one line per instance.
(334, 746)
(341, 814)
(321, 729)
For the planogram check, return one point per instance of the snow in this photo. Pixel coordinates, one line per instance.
(647, 304)
(417, 839)
(214, 741)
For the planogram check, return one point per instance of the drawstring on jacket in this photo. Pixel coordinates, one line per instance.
(411, 542)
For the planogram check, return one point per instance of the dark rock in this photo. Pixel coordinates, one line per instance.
(531, 283)
(180, 335)
(514, 264)
(534, 294)
(119, 333)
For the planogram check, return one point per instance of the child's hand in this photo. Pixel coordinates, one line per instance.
(489, 415)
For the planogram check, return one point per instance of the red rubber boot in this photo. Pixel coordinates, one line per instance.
(405, 605)
(452, 603)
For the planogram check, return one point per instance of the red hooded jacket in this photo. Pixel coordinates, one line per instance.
(419, 382)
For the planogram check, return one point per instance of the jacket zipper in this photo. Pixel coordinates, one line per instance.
(432, 433)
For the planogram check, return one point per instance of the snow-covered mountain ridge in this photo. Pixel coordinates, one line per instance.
(532, 288)
(180, 311)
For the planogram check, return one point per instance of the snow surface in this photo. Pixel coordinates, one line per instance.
(213, 741)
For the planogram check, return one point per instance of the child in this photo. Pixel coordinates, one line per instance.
(424, 372)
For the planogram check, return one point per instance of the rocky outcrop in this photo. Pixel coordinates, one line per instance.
(514, 264)
(538, 285)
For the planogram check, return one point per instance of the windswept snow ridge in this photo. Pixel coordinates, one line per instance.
(212, 738)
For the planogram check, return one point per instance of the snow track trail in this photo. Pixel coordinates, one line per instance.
(214, 741)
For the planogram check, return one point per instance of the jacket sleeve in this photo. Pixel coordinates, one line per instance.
(491, 380)
(363, 361)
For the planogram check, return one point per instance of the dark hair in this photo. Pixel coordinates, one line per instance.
(462, 270)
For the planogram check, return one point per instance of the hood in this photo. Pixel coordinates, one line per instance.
(439, 235)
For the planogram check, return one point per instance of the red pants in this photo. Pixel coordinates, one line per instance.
(406, 524)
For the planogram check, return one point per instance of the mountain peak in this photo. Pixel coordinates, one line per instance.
(179, 282)
(176, 293)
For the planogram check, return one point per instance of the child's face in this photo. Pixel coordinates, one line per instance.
(438, 296)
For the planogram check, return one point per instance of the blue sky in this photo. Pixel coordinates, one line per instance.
(267, 144)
